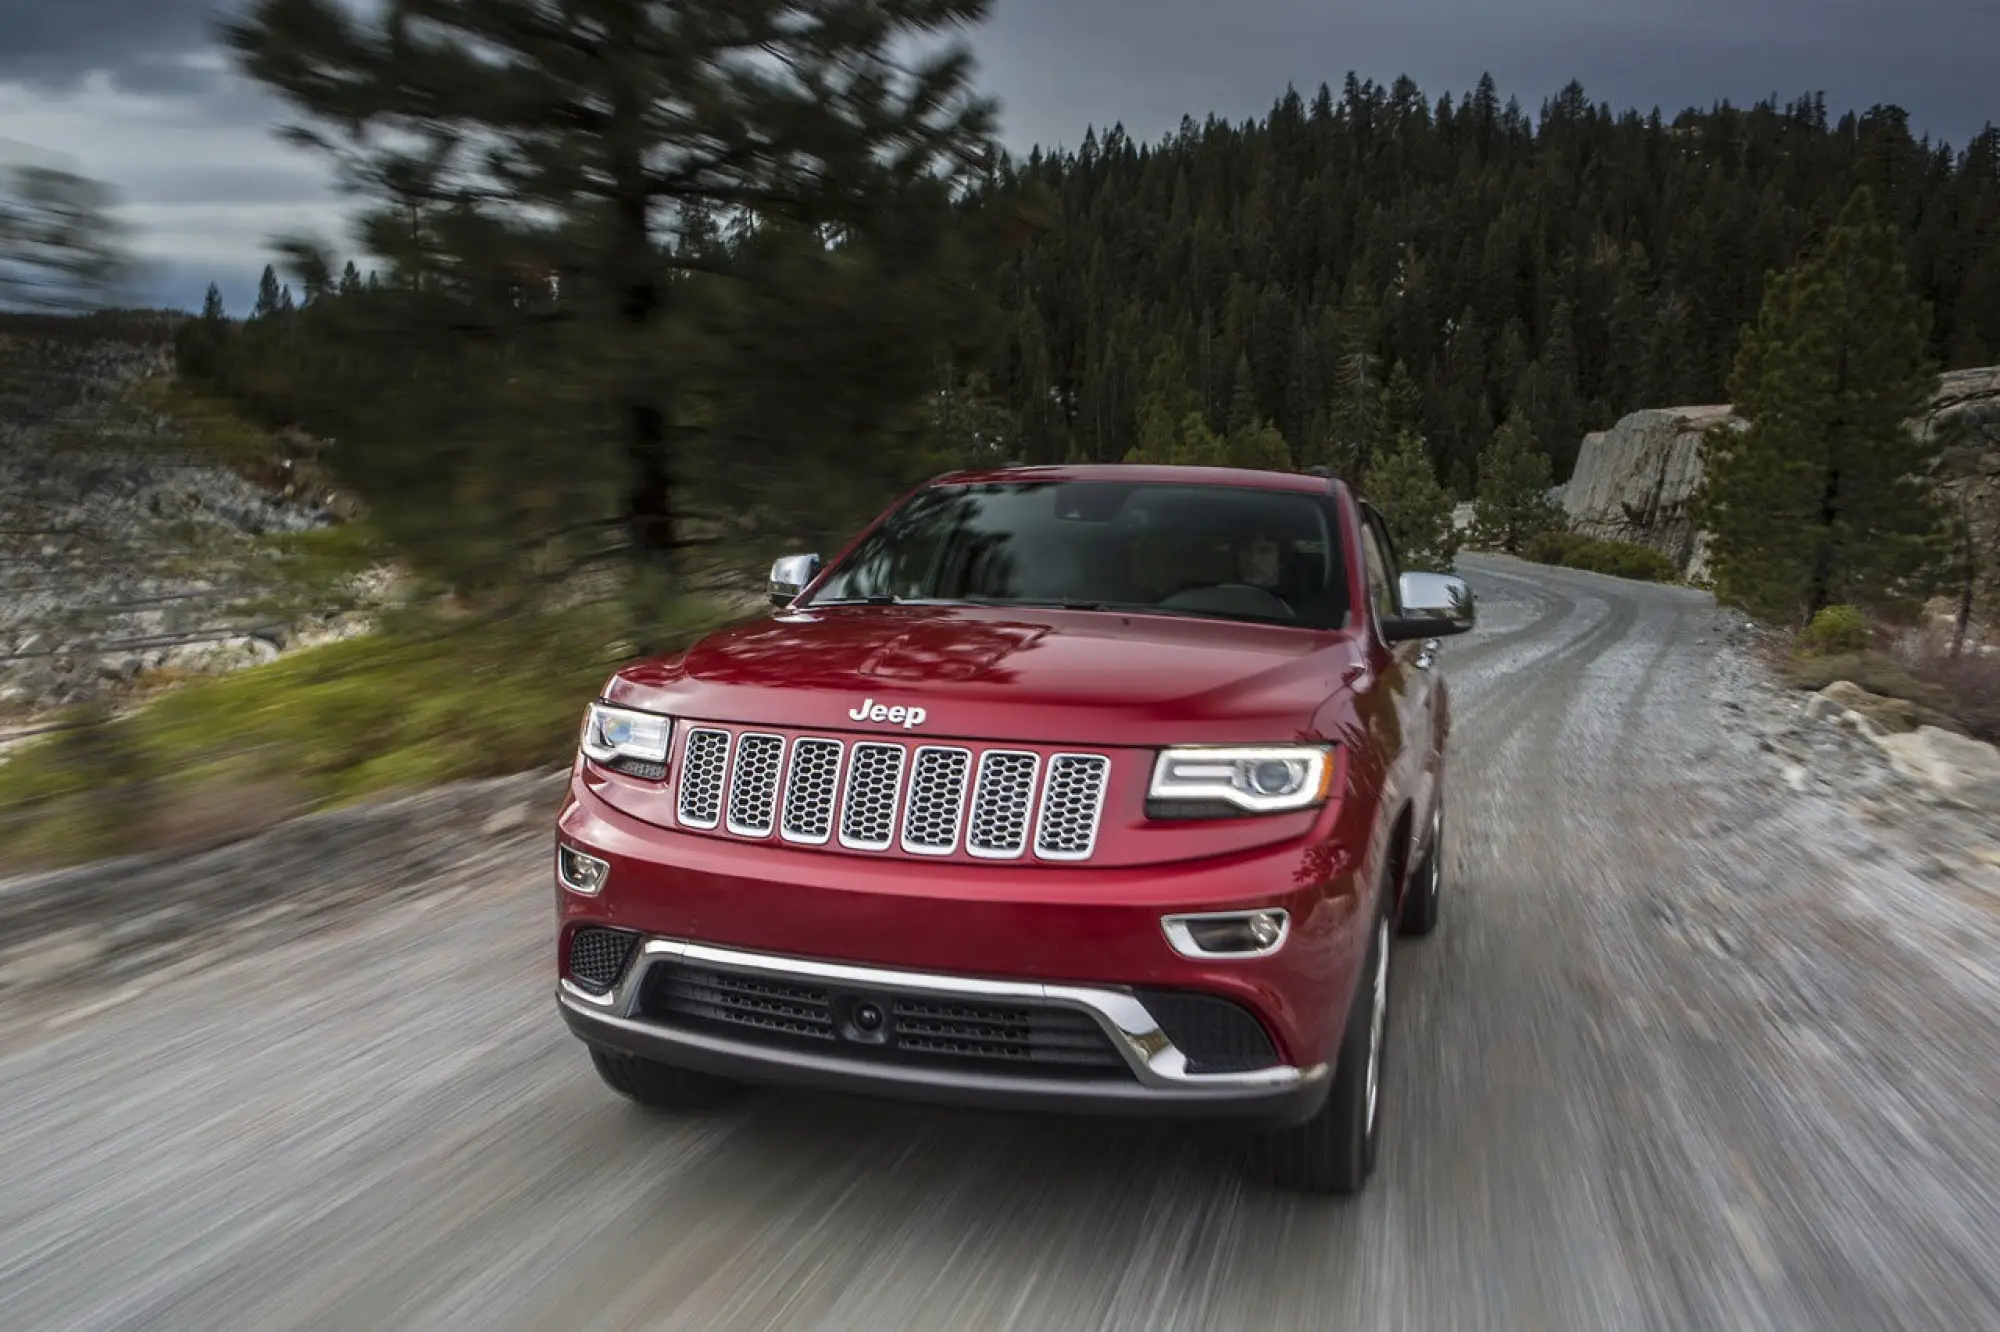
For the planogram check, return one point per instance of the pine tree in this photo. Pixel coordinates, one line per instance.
(350, 280)
(1261, 446)
(61, 246)
(837, 134)
(270, 294)
(1242, 398)
(1357, 401)
(1512, 504)
(1404, 486)
(1197, 445)
(1165, 403)
(1823, 496)
(1554, 405)
(1402, 405)
(212, 309)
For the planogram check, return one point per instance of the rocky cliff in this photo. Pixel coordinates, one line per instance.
(126, 551)
(1635, 481)
(1968, 411)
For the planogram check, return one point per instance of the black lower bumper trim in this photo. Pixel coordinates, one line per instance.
(1265, 1107)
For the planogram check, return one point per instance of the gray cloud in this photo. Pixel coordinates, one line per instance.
(1061, 65)
(133, 91)
(55, 43)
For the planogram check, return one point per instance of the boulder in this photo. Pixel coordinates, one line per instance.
(1955, 766)
(1635, 481)
(1882, 715)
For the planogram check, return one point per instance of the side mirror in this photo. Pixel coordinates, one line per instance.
(1434, 606)
(790, 575)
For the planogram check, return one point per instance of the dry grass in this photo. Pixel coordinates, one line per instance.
(1914, 663)
(1970, 681)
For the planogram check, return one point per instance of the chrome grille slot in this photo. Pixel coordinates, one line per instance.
(810, 785)
(937, 800)
(704, 760)
(1002, 799)
(874, 780)
(1072, 802)
(753, 786)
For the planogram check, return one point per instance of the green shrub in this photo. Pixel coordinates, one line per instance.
(1834, 631)
(405, 708)
(1620, 559)
(1550, 547)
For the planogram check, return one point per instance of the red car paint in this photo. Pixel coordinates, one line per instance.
(1046, 681)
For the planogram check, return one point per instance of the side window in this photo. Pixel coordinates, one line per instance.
(1381, 588)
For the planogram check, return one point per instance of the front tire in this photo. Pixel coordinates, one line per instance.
(1334, 1151)
(660, 1086)
(1420, 902)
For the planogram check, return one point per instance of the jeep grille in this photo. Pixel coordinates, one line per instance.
(872, 795)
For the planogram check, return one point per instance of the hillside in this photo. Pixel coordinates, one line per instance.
(139, 543)
(1580, 264)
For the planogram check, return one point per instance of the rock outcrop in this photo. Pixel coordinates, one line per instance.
(1635, 482)
(1968, 413)
(123, 553)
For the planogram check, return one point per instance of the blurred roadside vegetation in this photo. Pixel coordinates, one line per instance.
(418, 703)
(606, 363)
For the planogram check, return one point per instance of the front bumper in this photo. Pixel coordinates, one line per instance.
(1150, 1077)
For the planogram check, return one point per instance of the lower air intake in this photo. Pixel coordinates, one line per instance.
(1216, 1035)
(597, 957)
(887, 1026)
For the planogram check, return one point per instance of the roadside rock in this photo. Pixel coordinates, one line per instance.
(1845, 700)
(1923, 798)
(1956, 766)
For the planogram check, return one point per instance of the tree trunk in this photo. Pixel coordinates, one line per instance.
(649, 502)
(1962, 622)
(1819, 591)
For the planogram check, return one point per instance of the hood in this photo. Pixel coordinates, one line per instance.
(1053, 677)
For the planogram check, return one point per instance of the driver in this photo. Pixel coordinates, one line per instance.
(1260, 559)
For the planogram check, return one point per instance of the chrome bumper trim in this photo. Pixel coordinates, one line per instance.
(1155, 1060)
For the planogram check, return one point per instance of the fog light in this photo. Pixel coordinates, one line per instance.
(580, 873)
(1229, 933)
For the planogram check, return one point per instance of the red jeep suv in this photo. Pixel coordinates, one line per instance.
(1093, 789)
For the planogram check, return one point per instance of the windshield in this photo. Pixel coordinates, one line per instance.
(1268, 556)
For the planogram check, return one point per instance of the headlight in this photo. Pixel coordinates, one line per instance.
(1255, 779)
(627, 741)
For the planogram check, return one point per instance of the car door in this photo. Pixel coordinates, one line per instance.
(1407, 679)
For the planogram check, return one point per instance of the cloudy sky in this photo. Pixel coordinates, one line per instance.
(132, 92)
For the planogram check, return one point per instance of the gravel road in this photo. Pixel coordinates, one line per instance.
(1692, 1050)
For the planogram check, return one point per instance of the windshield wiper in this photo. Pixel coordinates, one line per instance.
(1011, 603)
(879, 599)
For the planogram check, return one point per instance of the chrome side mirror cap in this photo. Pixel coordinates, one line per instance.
(789, 576)
(1434, 606)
